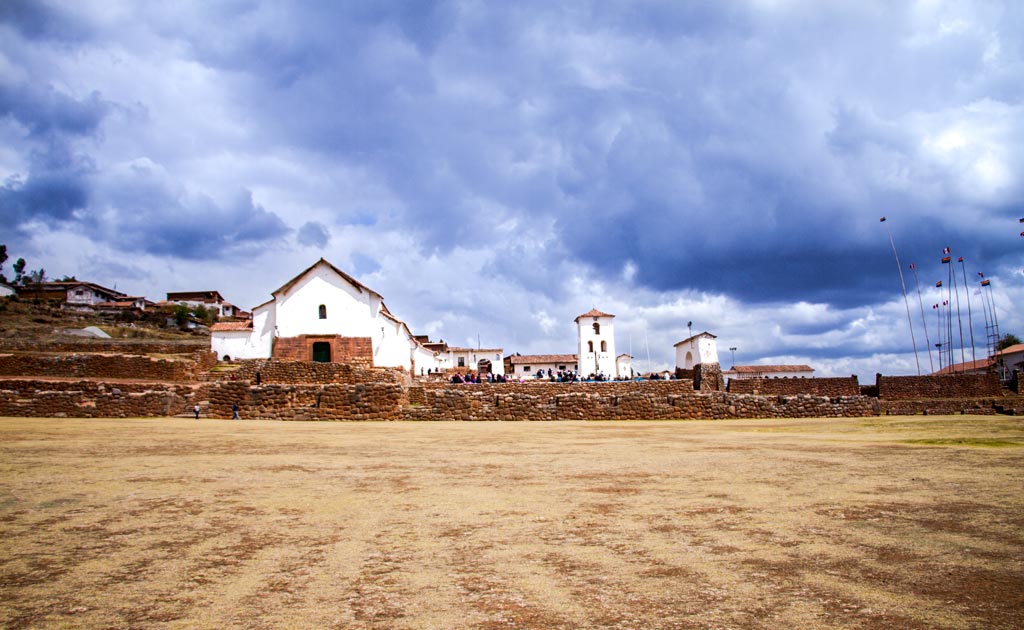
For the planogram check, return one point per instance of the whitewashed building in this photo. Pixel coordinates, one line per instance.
(700, 348)
(595, 336)
(6, 290)
(527, 366)
(324, 314)
(769, 371)
(624, 366)
(1008, 360)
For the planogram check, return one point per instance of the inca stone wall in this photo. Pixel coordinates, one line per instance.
(793, 386)
(945, 386)
(278, 371)
(113, 366)
(90, 399)
(354, 401)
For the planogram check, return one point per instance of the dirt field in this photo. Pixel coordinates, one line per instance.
(860, 523)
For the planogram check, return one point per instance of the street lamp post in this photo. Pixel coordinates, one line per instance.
(733, 351)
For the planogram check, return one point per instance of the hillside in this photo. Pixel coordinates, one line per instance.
(35, 325)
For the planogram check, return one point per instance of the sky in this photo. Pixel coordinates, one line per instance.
(496, 169)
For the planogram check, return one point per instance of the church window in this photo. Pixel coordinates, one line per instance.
(590, 346)
(597, 328)
(323, 311)
(604, 346)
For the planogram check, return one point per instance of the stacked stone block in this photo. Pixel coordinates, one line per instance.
(848, 386)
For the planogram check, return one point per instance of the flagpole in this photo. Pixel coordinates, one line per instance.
(951, 347)
(959, 319)
(924, 320)
(906, 302)
(938, 327)
(970, 318)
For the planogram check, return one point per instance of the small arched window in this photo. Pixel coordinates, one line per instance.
(604, 346)
(590, 346)
(323, 311)
(597, 328)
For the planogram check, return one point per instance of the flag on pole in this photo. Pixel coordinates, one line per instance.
(938, 284)
(935, 306)
(986, 282)
(960, 259)
(946, 260)
(945, 250)
(882, 220)
(981, 275)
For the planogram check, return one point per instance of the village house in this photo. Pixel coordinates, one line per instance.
(323, 314)
(1009, 360)
(210, 300)
(71, 293)
(768, 371)
(527, 366)
(624, 366)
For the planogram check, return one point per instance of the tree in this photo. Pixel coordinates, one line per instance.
(181, 314)
(1009, 339)
(19, 269)
(3, 259)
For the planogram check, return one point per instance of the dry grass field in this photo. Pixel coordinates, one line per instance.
(892, 522)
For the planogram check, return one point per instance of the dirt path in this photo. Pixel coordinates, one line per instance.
(853, 523)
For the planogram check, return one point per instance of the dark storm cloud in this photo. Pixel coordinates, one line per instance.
(45, 112)
(167, 221)
(314, 234)
(36, 19)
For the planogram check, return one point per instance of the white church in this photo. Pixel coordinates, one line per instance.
(323, 314)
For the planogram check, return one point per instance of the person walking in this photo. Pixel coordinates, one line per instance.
(195, 410)
(234, 411)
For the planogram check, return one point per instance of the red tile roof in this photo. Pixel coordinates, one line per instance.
(758, 369)
(516, 359)
(1011, 349)
(970, 366)
(593, 313)
(226, 326)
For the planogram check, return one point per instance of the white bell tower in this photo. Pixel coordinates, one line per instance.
(595, 332)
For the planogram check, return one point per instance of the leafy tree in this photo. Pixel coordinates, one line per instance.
(3, 256)
(37, 276)
(1009, 339)
(181, 314)
(19, 269)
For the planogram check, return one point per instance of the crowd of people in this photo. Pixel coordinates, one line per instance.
(561, 376)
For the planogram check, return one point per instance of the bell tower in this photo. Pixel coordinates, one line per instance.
(595, 333)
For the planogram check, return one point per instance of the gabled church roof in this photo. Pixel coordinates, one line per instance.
(357, 284)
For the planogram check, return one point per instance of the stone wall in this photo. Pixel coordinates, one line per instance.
(304, 372)
(945, 386)
(629, 400)
(372, 401)
(349, 350)
(112, 366)
(118, 346)
(948, 406)
(89, 399)
(847, 386)
(708, 378)
(517, 403)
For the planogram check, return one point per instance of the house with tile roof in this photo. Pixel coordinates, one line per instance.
(526, 366)
(210, 300)
(1008, 360)
(71, 292)
(768, 371)
(324, 314)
